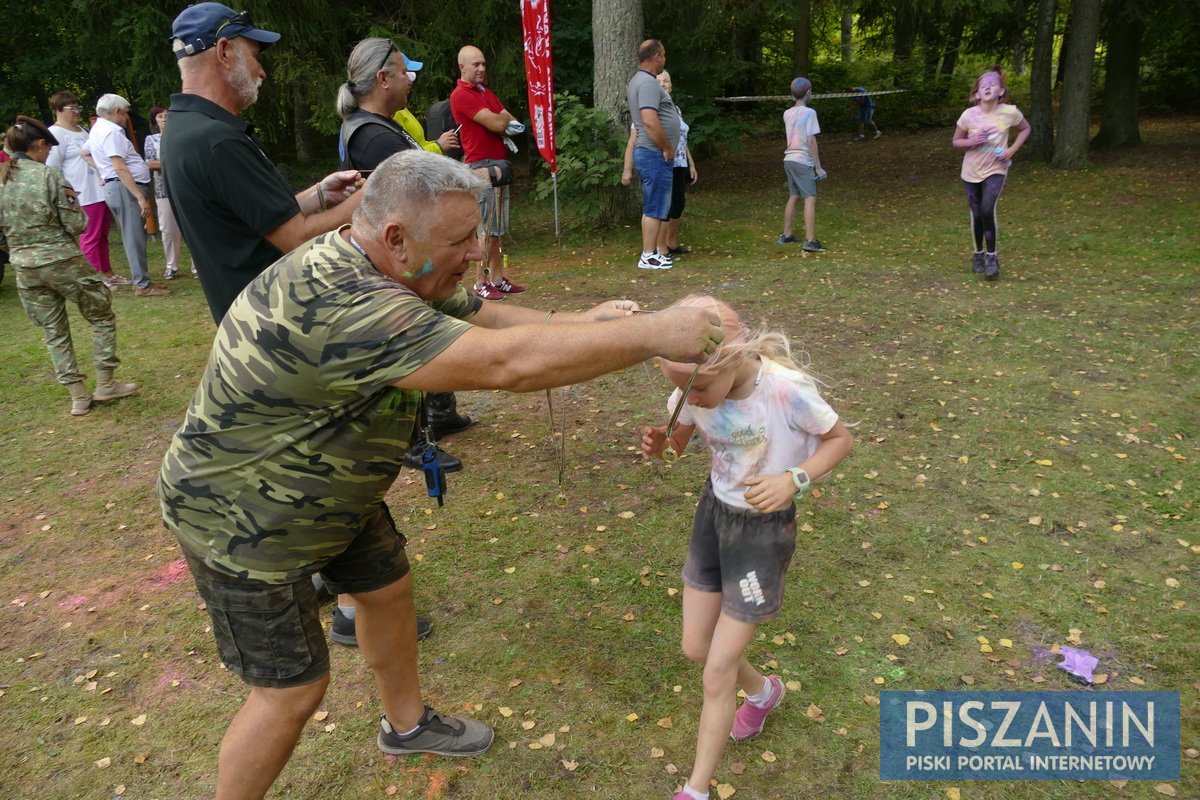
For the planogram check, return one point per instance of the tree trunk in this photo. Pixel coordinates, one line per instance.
(1119, 118)
(905, 32)
(1066, 44)
(1041, 89)
(616, 34)
(802, 37)
(300, 125)
(847, 37)
(954, 37)
(1017, 42)
(1071, 143)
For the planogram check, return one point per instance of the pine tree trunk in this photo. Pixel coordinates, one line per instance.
(847, 37)
(1071, 143)
(1119, 118)
(801, 37)
(1041, 78)
(616, 34)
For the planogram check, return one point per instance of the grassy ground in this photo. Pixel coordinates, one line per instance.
(1025, 470)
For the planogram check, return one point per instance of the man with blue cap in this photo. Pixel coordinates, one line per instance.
(237, 213)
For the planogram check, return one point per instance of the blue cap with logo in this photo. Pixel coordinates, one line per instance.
(201, 26)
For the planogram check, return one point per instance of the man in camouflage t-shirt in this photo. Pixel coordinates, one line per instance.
(290, 443)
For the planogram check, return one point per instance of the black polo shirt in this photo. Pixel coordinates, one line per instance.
(226, 194)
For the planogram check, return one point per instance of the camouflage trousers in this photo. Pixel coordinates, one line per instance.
(44, 292)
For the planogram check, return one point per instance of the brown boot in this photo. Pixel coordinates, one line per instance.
(108, 389)
(81, 399)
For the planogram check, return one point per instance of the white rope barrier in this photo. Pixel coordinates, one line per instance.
(776, 97)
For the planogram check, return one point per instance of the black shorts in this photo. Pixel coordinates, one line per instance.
(270, 634)
(742, 554)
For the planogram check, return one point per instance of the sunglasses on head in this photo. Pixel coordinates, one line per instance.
(240, 18)
(387, 56)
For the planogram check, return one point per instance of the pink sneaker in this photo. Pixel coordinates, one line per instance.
(749, 719)
(508, 287)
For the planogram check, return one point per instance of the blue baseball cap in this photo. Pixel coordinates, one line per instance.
(413, 64)
(201, 26)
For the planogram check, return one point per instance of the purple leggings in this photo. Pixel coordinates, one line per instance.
(981, 199)
(94, 241)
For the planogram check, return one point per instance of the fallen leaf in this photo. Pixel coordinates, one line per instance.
(1165, 789)
(528, 725)
(1018, 565)
(967, 679)
(80, 720)
(737, 767)
(1100, 678)
(570, 766)
(657, 752)
(547, 740)
(103, 763)
(665, 722)
(953, 793)
(814, 712)
(725, 791)
(793, 686)
(900, 638)
(626, 515)
(1006, 643)
(140, 758)
(505, 711)
(321, 716)
(769, 757)
(632, 718)
(139, 720)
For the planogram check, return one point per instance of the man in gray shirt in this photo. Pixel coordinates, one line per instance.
(656, 120)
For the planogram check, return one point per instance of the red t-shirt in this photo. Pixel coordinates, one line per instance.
(478, 142)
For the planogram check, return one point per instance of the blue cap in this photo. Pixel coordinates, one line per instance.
(201, 26)
(413, 65)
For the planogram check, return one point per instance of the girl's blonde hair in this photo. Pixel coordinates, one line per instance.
(740, 341)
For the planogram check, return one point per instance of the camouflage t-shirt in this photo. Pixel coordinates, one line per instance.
(295, 433)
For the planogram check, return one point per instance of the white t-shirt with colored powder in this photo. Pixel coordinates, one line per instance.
(778, 426)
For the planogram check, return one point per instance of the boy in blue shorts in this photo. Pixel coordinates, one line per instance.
(866, 112)
(802, 166)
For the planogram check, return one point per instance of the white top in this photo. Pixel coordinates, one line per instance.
(778, 426)
(66, 159)
(799, 123)
(108, 139)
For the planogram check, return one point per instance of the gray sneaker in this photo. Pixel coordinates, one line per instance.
(991, 267)
(813, 246)
(977, 262)
(442, 735)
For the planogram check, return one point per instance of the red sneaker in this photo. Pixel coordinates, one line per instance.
(488, 291)
(508, 287)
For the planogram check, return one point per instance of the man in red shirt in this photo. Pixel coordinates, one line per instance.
(482, 121)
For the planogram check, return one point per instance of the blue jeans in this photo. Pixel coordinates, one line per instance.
(657, 174)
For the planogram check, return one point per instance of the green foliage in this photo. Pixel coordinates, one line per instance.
(591, 155)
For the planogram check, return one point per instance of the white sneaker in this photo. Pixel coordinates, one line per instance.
(654, 261)
(666, 259)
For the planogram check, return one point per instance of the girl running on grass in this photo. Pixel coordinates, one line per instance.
(983, 132)
(770, 433)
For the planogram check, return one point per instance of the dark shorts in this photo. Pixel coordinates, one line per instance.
(865, 112)
(801, 178)
(680, 177)
(271, 634)
(742, 554)
(657, 175)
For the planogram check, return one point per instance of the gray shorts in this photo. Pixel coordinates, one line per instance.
(801, 178)
(742, 554)
(494, 200)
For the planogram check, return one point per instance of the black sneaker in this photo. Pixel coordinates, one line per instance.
(412, 459)
(786, 238)
(813, 246)
(435, 733)
(991, 267)
(977, 264)
(342, 631)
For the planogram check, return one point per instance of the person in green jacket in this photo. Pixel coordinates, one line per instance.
(40, 222)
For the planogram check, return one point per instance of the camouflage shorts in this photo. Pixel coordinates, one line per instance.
(271, 634)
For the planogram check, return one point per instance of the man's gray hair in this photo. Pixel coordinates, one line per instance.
(109, 103)
(366, 59)
(407, 185)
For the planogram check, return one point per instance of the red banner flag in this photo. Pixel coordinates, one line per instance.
(539, 75)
